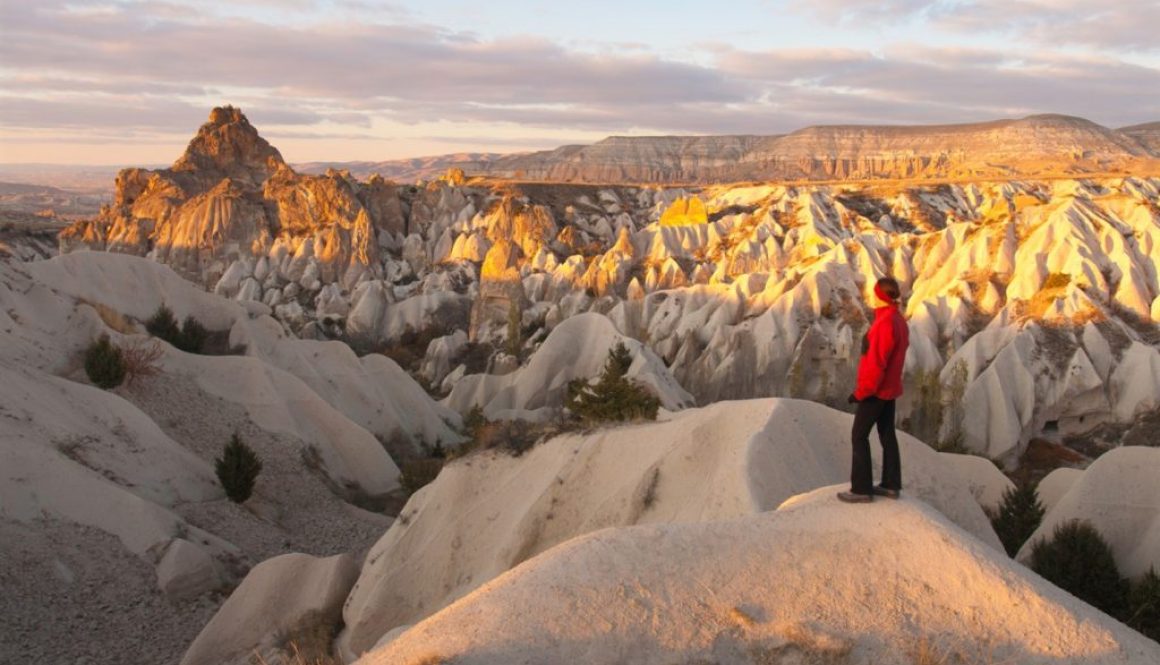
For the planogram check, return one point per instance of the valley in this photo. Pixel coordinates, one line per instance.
(365, 331)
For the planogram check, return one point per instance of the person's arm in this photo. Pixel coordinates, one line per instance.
(872, 368)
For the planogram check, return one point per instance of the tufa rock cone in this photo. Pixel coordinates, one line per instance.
(229, 144)
(231, 199)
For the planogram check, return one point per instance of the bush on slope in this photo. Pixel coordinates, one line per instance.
(238, 469)
(1078, 560)
(1144, 605)
(1018, 517)
(104, 364)
(190, 337)
(613, 397)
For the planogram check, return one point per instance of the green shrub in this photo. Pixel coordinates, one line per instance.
(193, 336)
(1018, 517)
(1079, 561)
(104, 364)
(237, 469)
(1144, 605)
(613, 397)
(190, 337)
(163, 325)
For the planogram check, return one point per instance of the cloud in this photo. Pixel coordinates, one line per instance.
(82, 112)
(919, 84)
(349, 73)
(143, 68)
(1124, 25)
(345, 60)
(877, 11)
(324, 136)
(1120, 26)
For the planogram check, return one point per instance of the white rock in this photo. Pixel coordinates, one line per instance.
(453, 378)
(187, 571)
(504, 363)
(437, 361)
(578, 347)
(1055, 485)
(414, 253)
(280, 402)
(1119, 496)
(227, 286)
(291, 313)
(369, 303)
(310, 276)
(1136, 382)
(282, 595)
(255, 309)
(986, 482)
(793, 582)
(250, 289)
(717, 463)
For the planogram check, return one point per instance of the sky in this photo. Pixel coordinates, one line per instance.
(121, 82)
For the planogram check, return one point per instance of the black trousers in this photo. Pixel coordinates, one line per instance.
(874, 412)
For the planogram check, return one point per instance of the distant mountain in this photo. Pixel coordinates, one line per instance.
(82, 178)
(1033, 146)
(23, 199)
(407, 170)
(1147, 135)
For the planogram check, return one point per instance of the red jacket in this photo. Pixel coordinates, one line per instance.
(880, 370)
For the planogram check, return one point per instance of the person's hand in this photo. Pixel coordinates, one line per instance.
(851, 399)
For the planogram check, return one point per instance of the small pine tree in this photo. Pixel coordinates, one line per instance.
(164, 325)
(193, 336)
(104, 364)
(1144, 605)
(613, 397)
(189, 337)
(1079, 561)
(1019, 516)
(618, 362)
(237, 469)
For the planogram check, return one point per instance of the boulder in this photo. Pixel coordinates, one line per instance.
(816, 581)
(1055, 485)
(1120, 497)
(280, 597)
(718, 463)
(187, 571)
(986, 482)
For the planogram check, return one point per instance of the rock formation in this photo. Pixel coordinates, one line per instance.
(811, 582)
(712, 465)
(1119, 496)
(1033, 306)
(1032, 302)
(230, 196)
(1036, 145)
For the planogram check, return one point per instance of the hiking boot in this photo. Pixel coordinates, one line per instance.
(851, 497)
(886, 492)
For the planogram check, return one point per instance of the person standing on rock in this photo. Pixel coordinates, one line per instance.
(879, 384)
